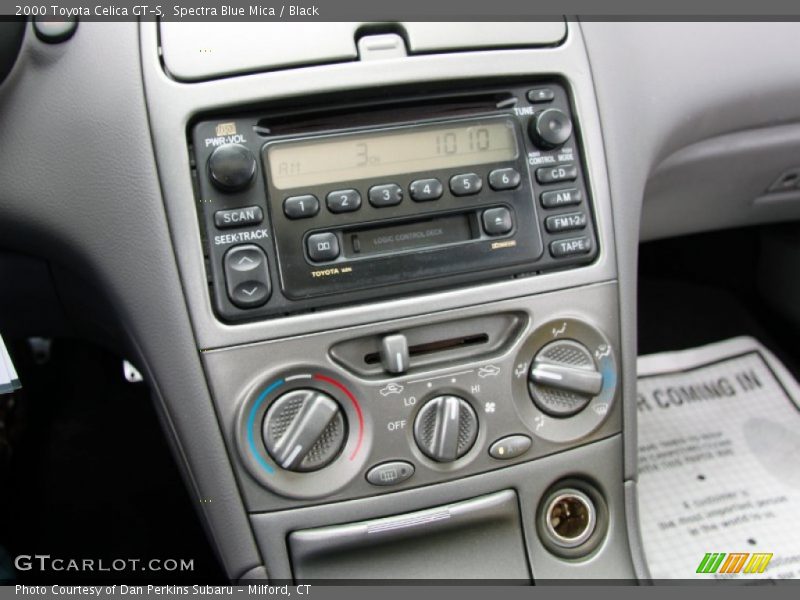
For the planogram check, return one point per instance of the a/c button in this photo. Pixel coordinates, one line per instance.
(510, 447)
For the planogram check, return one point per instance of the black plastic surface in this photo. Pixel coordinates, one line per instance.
(11, 34)
(304, 279)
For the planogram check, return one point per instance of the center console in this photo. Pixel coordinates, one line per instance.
(402, 277)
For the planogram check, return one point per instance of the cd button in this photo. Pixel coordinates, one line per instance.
(504, 179)
(301, 207)
(554, 174)
(388, 194)
(497, 221)
(342, 201)
(423, 190)
(322, 246)
(465, 184)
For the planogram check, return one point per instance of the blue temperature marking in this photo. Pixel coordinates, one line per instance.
(251, 419)
(609, 375)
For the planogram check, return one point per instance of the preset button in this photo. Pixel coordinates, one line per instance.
(388, 194)
(465, 184)
(423, 190)
(504, 179)
(301, 207)
(342, 201)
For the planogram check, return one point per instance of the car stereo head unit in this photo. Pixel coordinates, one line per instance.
(334, 205)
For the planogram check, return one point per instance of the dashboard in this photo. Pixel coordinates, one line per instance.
(383, 277)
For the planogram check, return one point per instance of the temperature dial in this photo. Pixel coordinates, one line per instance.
(445, 428)
(304, 430)
(564, 378)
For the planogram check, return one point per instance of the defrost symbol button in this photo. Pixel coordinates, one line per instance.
(390, 473)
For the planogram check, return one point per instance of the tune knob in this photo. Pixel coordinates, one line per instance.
(231, 167)
(445, 428)
(550, 128)
(564, 378)
(304, 430)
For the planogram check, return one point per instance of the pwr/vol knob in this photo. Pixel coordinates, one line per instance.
(304, 430)
(445, 428)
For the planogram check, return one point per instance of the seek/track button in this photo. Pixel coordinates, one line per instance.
(247, 276)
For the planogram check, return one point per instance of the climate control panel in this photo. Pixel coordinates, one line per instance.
(412, 414)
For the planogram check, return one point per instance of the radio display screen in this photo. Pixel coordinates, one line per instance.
(390, 152)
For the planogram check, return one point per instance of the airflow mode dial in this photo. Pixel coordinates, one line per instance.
(564, 378)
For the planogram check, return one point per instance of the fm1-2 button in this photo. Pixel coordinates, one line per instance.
(322, 246)
(342, 201)
(390, 473)
(510, 447)
(301, 207)
(423, 190)
(497, 221)
(565, 222)
(247, 276)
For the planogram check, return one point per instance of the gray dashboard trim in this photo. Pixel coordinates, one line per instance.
(194, 51)
(80, 189)
(722, 182)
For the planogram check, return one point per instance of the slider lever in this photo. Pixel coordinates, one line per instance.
(394, 353)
